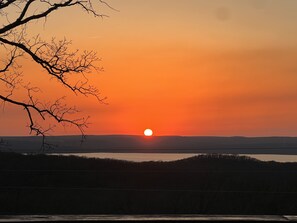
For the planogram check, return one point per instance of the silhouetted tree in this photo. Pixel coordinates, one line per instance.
(53, 56)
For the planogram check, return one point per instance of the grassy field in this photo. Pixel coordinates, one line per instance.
(207, 184)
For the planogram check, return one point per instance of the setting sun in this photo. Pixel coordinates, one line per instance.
(148, 132)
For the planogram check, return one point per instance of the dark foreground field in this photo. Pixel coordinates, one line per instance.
(212, 184)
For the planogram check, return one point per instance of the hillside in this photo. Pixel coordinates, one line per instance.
(209, 184)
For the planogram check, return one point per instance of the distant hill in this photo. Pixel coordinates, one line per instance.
(156, 144)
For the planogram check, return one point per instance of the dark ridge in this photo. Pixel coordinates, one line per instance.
(206, 184)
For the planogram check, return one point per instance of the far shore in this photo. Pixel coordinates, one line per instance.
(156, 144)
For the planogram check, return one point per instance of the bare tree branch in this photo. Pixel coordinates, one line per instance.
(54, 57)
(4, 4)
(86, 5)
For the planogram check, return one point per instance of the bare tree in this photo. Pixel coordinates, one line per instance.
(54, 57)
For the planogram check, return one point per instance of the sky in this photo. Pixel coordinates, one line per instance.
(179, 67)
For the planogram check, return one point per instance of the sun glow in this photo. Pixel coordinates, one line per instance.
(148, 132)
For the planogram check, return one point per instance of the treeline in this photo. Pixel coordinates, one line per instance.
(206, 184)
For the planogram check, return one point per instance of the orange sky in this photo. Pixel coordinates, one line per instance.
(181, 67)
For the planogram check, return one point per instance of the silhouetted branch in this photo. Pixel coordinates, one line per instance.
(53, 56)
(4, 4)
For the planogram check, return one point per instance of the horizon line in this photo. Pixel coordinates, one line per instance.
(154, 136)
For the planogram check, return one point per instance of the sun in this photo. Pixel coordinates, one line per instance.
(148, 132)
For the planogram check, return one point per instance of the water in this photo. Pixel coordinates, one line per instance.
(141, 157)
(274, 157)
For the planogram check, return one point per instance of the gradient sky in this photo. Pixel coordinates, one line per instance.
(181, 67)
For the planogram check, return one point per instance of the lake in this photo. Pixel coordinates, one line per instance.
(142, 157)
